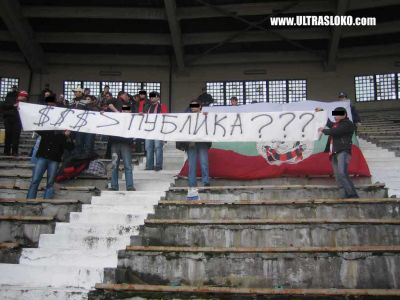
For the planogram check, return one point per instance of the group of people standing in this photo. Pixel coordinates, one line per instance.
(50, 146)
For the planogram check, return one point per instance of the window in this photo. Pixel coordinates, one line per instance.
(152, 87)
(297, 90)
(377, 87)
(132, 88)
(398, 85)
(277, 91)
(68, 87)
(256, 91)
(234, 89)
(386, 86)
(216, 90)
(6, 84)
(94, 87)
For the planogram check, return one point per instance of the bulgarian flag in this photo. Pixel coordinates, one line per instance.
(258, 160)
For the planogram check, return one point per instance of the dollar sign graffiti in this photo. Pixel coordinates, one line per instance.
(61, 119)
(44, 118)
(82, 120)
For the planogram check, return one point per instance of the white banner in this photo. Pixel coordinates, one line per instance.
(211, 126)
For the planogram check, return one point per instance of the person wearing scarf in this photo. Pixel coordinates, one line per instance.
(339, 147)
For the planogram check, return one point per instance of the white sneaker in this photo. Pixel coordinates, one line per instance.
(193, 194)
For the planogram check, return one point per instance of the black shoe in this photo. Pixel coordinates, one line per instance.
(206, 184)
(111, 189)
(157, 169)
(147, 169)
(352, 197)
(131, 189)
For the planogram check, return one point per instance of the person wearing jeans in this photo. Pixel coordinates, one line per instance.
(43, 164)
(194, 151)
(49, 154)
(339, 146)
(154, 147)
(122, 148)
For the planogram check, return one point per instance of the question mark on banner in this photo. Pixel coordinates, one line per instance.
(265, 125)
(309, 121)
(288, 123)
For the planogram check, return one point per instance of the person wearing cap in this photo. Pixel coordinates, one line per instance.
(155, 147)
(122, 148)
(49, 154)
(354, 114)
(12, 123)
(144, 103)
(78, 96)
(339, 147)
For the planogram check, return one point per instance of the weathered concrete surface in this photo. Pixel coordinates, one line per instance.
(58, 211)
(286, 270)
(283, 192)
(342, 210)
(82, 196)
(10, 255)
(323, 180)
(24, 233)
(208, 235)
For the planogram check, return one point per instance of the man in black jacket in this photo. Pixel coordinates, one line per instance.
(339, 147)
(49, 154)
(12, 122)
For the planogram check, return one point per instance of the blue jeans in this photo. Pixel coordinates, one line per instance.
(118, 151)
(84, 142)
(43, 164)
(340, 164)
(199, 150)
(154, 147)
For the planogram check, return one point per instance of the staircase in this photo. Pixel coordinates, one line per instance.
(58, 249)
(269, 241)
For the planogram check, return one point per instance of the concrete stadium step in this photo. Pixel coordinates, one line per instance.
(101, 229)
(69, 257)
(48, 293)
(10, 253)
(113, 217)
(81, 241)
(83, 195)
(25, 230)
(158, 292)
(384, 169)
(118, 209)
(23, 180)
(57, 209)
(50, 276)
(134, 198)
(317, 180)
(268, 209)
(258, 192)
(275, 232)
(343, 267)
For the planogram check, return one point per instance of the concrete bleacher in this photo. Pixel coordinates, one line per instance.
(382, 128)
(274, 241)
(284, 238)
